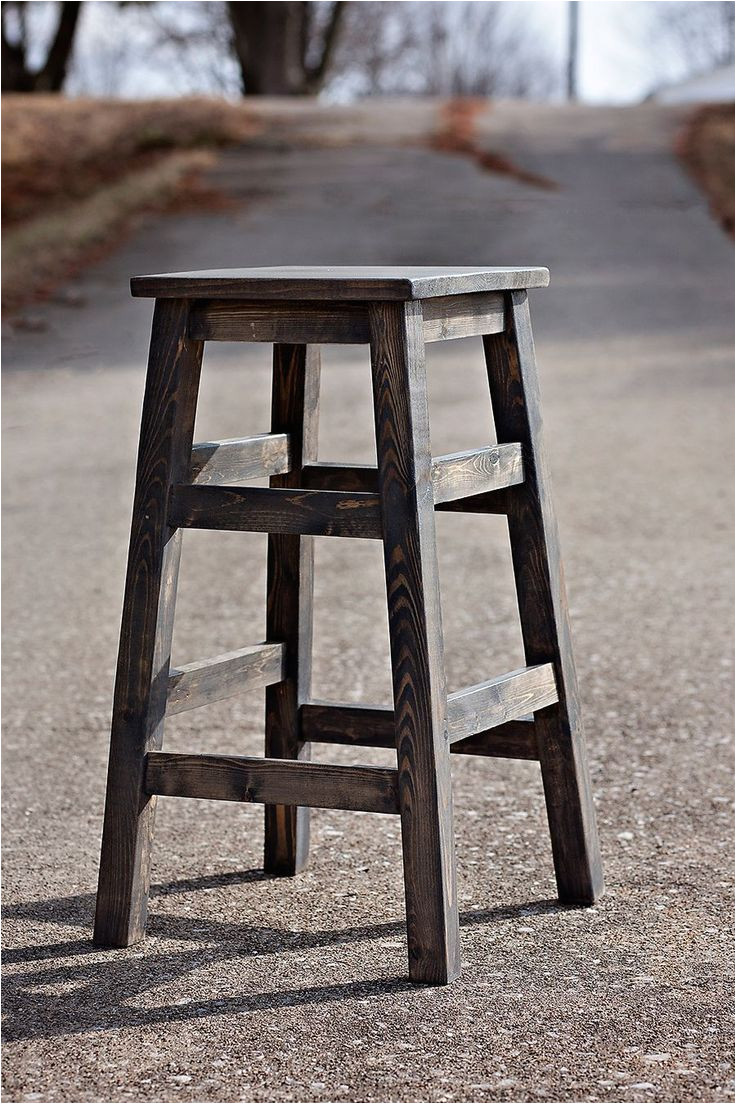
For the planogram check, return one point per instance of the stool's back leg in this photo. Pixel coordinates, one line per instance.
(420, 696)
(294, 410)
(167, 428)
(540, 585)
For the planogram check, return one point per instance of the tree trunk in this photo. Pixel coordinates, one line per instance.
(272, 42)
(18, 77)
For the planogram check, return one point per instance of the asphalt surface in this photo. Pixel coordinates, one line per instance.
(269, 990)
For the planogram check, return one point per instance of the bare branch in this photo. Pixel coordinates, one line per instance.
(316, 73)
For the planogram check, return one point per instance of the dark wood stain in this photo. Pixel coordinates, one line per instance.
(512, 376)
(352, 478)
(289, 597)
(244, 458)
(139, 707)
(271, 510)
(374, 726)
(260, 320)
(455, 316)
(223, 676)
(420, 695)
(476, 471)
(366, 283)
(507, 698)
(341, 322)
(266, 781)
(531, 713)
(475, 475)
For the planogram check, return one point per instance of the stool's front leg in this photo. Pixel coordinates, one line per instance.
(164, 456)
(420, 697)
(294, 410)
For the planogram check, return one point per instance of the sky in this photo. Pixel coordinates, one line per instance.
(614, 66)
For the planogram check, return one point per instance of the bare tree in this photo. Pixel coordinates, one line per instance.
(377, 51)
(281, 49)
(18, 75)
(688, 37)
(461, 48)
(284, 49)
(191, 41)
(372, 47)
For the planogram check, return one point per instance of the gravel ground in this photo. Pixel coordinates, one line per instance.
(255, 989)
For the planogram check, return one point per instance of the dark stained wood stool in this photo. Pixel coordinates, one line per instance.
(531, 713)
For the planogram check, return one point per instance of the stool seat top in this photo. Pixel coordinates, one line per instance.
(372, 282)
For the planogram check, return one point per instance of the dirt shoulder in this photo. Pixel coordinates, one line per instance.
(706, 146)
(77, 172)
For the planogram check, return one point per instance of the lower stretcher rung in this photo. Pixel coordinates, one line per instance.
(474, 476)
(373, 726)
(272, 782)
(276, 510)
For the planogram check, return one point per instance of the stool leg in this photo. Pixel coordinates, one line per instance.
(540, 584)
(420, 696)
(167, 427)
(294, 410)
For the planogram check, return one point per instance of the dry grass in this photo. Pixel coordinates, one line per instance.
(456, 134)
(39, 253)
(56, 150)
(706, 145)
(76, 171)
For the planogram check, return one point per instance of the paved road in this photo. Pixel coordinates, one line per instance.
(250, 989)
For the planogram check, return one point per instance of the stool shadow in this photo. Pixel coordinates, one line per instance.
(99, 994)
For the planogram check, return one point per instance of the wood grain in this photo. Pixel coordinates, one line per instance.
(289, 598)
(328, 476)
(476, 474)
(277, 321)
(510, 740)
(514, 387)
(139, 706)
(339, 322)
(507, 698)
(476, 471)
(223, 676)
(415, 629)
(367, 283)
(454, 316)
(374, 726)
(325, 722)
(240, 458)
(267, 510)
(271, 781)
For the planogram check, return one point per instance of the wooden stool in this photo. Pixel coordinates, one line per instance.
(531, 713)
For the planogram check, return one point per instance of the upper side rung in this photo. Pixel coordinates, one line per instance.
(499, 700)
(257, 457)
(476, 471)
(223, 676)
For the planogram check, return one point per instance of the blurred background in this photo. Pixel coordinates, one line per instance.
(121, 104)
